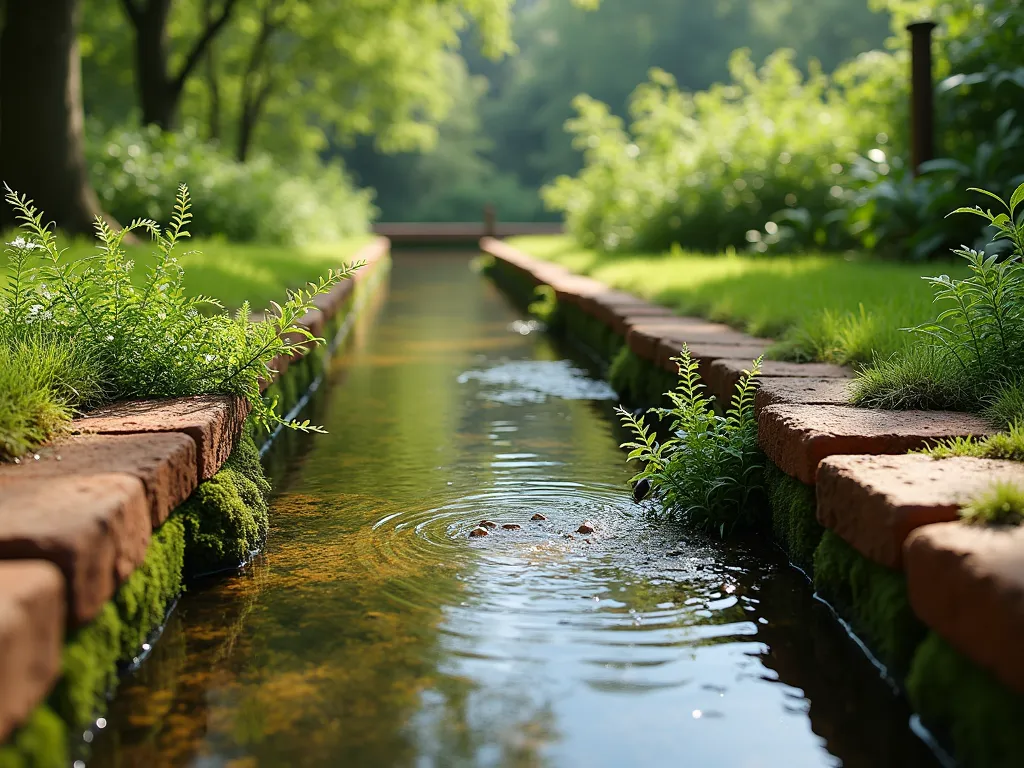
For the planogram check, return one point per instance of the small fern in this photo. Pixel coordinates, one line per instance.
(710, 471)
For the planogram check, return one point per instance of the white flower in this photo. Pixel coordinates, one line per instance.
(25, 245)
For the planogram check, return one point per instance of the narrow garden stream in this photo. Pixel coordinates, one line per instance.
(374, 631)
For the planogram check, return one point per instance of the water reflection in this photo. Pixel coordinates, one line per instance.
(374, 631)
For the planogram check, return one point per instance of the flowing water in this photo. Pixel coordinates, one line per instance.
(374, 631)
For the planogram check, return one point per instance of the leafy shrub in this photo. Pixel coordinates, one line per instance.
(975, 345)
(147, 339)
(139, 170)
(710, 472)
(761, 162)
(1002, 504)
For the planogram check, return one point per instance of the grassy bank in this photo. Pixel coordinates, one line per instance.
(827, 308)
(130, 321)
(236, 272)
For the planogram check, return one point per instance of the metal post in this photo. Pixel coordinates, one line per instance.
(490, 221)
(922, 95)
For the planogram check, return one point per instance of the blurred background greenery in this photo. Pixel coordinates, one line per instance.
(768, 126)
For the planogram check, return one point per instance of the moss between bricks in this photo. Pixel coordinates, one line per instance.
(954, 696)
(91, 655)
(872, 598)
(42, 742)
(226, 518)
(232, 504)
(795, 523)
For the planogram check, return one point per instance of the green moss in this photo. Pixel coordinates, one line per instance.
(226, 517)
(220, 530)
(961, 701)
(143, 599)
(89, 669)
(794, 516)
(872, 598)
(545, 307)
(39, 743)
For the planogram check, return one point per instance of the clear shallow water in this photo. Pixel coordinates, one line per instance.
(374, 632)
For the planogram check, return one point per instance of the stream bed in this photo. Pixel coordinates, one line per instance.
(374, 631)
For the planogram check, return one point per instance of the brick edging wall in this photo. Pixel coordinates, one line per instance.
(896, 510)
(76, 517)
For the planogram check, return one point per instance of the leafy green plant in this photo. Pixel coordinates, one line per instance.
(759, 163)
(1001, 504)
(147, 339)
(710, 471)
(975, 344)
(138, 170)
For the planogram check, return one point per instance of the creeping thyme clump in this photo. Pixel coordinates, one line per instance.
(140, 336)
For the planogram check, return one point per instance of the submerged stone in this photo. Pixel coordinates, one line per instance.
(487, 524)
(478, 531)
(538, 516)
(511, 527)
(585, 528)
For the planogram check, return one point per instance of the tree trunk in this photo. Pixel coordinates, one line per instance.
(42, 136)
(158, 95)
(160, 89)
(212, 79)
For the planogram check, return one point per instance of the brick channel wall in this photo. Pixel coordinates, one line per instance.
(938, 603)
(78, 518)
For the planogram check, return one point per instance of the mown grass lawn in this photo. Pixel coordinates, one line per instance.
(234, 272)
(830, 308)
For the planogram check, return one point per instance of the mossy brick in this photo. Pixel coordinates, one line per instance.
(872, 598)
(164, 462)
(874, 502)
(95, 528)
(795, 525)
(143, 600)
(32, 612)
(966, 582)
(90, 659)
(966, 707)
(214, 422)
(227, 517)
(789, 390)
(797, 437)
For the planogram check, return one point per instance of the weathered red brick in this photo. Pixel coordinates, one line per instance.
(797, 437)
(32, 614)
(874, 502)
(94, 528)
(214, 422)
(725, 374)
(705, 355)
(782, 390)
(645, 337)
(966, 582)
(164, 462)
(618, 310)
